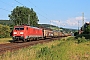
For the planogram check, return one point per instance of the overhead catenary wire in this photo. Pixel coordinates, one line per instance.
(6, 3)
(34, 6)
(43, 16)
(18, 2)
(5, 9)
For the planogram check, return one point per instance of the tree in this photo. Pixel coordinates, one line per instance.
(87, 29)
(24, 15)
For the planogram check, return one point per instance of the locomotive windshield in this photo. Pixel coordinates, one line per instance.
(19, 28)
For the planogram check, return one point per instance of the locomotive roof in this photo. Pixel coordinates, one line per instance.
(34, 27)
(28, 26)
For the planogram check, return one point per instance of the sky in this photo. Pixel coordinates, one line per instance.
(61, 13)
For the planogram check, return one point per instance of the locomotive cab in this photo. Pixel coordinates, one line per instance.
(18, 33)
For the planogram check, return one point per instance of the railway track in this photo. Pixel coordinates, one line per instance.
(16, 46)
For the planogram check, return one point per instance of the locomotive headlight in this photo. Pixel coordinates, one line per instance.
(15, 33)
(21, 32)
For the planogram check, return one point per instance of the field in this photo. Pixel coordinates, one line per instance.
(64, 49)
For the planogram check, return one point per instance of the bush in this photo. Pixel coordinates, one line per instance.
(76, 33)
(44, 51)
(87, 36)
(4, 31)
(80, 40)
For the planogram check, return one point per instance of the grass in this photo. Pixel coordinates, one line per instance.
(5, 40)
(64, 49)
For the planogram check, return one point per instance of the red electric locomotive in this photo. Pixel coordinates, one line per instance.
(25, 33)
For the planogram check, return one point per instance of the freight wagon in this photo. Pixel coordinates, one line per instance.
(47, 33)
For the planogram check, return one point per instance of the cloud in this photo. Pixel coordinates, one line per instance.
(71, 22)
(74, 22)
(78, 18)
(55, 22)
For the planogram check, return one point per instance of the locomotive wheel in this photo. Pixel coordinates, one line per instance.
(24, 40)
(37, 39)
(13, 42)
(44, 37)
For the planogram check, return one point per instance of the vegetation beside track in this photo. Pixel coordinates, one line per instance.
(5, 40)
(64, 49)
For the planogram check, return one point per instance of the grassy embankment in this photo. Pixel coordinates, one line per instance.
(5, 40)
(65, 49)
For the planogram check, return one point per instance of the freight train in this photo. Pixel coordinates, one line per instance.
(27, 33)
